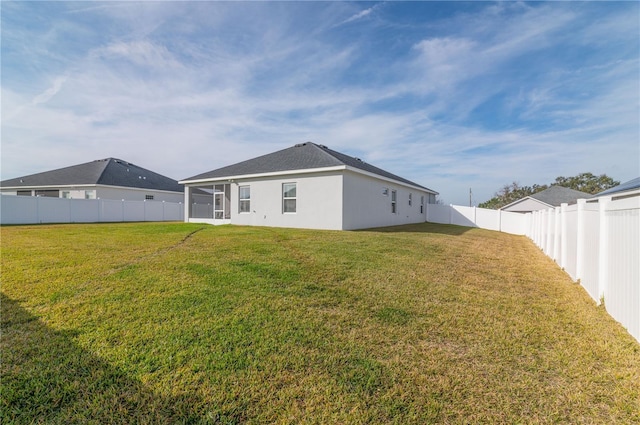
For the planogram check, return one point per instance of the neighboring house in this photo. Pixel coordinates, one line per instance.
(630, 188)
(109, 178)
(554, 196)
(307, 186)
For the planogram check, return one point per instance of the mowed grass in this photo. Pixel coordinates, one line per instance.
(183, 323)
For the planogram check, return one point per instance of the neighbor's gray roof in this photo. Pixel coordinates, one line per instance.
(109, 171)
(630, 185)
(557, 195)
(302, 156)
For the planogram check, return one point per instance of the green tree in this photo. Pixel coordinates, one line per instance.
(584, 182)
(587, 182)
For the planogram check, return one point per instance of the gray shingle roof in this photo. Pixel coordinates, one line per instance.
(557, 195)
(109, 171)
(302, 156)
(630, 185)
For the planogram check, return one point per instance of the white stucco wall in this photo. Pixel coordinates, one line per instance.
(319, 202)
(132, 194)
(366, 205)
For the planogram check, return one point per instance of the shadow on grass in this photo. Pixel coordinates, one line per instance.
(48, 378)
(444, 229)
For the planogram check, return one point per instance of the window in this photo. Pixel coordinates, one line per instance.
(422, 204)
(66, 194)
(245, 199)
(89, 194)
(48, 193)
(24, 193)
(410, 198)
(394, 196)
(148, 197)
(289, 197)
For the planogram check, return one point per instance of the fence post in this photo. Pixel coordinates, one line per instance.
(580, 240)
(603, 248)
(563, 235)
(123, 210)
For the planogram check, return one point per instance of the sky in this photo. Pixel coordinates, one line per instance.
(455, 96)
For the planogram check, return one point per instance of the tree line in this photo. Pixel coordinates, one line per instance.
(584, 182)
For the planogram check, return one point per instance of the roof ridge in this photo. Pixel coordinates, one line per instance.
(107, 161)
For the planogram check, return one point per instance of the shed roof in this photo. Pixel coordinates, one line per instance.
(557, 195)
(109, 171)
(554, 196)
(624, 187)
(302, 156)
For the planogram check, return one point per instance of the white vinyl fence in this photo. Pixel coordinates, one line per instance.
(502, 221)
(33, 210)
(597, 242)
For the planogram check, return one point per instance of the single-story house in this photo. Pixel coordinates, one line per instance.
(108, 178)
(307, 186)
(552, 197)
(626, 189)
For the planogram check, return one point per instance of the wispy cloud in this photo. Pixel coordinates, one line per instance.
(358, 16)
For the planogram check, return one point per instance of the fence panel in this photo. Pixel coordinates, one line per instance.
(588, 272)
(570, 240)
(487, 219)
(18, 209)
(173, 211)
(512, 222)
(439, 214)
(463, 216)
(622, 284)
(81, 211)
(153, 211)
(53, 210)
(112, 210)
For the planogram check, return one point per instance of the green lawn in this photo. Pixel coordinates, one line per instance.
(183, 323)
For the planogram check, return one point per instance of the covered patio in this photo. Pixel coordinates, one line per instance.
(208, 203)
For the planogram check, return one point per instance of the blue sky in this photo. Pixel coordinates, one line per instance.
(451, 95)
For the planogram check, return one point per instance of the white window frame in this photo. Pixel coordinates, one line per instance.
(148, 197)
(244, 201)
(422, 204)
(394, 202)
(285, 209)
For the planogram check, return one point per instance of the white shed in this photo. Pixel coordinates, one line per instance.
(306, 186)
(553, 196)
